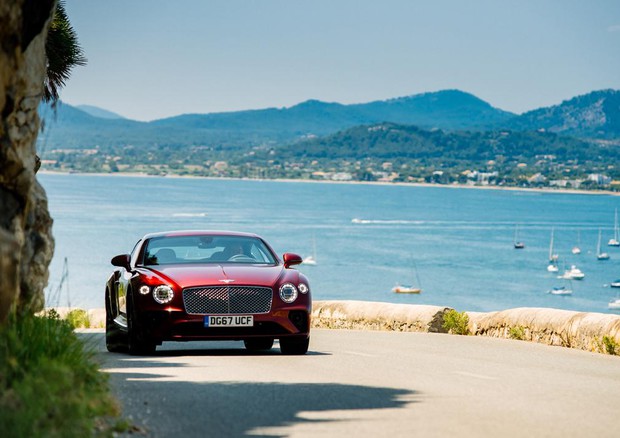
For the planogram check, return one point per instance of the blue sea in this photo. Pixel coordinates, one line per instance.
(458, 242)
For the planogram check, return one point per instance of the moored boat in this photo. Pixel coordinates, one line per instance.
(409, 289)
(614, 304)
(311, 259)
(577, 248)
(615, 241)
(402, 289)
(561, 290)
(600, 255)
(517, 243)
(574, 273)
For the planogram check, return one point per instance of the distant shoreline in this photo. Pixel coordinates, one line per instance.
(379, 183)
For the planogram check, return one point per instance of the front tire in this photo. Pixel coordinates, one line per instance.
(294, 346)
(259, 344)
(138, 342)
(115, 339)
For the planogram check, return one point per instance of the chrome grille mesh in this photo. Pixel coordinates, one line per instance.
(223, 300)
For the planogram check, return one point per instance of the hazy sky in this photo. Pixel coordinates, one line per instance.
(149, 59)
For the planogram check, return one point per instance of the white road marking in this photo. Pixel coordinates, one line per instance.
(477, 376)
(355, 353)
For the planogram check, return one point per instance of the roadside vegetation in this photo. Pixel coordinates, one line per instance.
(456, 323)
(517, 333)
(78, 318)
(609, 345)
(50, 384)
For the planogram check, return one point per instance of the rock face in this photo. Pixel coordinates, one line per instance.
(26, 243)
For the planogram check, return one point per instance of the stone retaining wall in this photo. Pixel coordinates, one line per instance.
(597, 332)
(365, 315)
(581, 330)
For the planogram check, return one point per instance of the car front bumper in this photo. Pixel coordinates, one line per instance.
(173, 324)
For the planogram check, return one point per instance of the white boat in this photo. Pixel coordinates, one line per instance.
(566, 289)
(517, 243)
(553, 258)
(311, 259)
(402, 289)
(409, 289)
(576, 249)
(615, 241)
(561, 290)
(552, 267)
(614, 303)
(574, 273)
(600, 255)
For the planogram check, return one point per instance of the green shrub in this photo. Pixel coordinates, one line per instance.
(49, 384)
(456, 322)
(611, 346)
(517, 332)
(78, 318)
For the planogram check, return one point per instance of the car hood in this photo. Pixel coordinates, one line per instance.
(205, 275)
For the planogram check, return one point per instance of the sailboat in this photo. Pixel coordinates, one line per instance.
(553, 258)
(614, 241)
(517, 243)
(311, 259)
(562, 290)
(576, 249)
(600, 255)
(614, 303)
(409, 289)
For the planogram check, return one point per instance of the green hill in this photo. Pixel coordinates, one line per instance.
(594, 115)
(389, 141)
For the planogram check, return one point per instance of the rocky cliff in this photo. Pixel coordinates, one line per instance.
(26, 243)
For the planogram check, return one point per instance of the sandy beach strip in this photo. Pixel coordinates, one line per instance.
(378, 183)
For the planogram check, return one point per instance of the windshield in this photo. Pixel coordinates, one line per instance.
(207, 249)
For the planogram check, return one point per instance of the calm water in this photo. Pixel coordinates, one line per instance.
(459, 240)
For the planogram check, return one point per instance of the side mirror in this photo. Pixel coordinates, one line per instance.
(291, 259)
(121, 261)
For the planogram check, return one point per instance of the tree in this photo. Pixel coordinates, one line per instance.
(63, 53)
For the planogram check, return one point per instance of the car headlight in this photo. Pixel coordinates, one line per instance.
(288, 292)
(163, 294)
(144, 289)
(303, 288)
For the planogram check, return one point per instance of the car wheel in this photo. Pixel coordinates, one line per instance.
(294, 345)
(115, 340)
(260, 344)
(138, 342)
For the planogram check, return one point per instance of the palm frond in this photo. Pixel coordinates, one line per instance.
(63, 53)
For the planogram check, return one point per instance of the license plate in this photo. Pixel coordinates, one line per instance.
(229, 321)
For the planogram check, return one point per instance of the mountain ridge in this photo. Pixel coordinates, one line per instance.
(593, 115)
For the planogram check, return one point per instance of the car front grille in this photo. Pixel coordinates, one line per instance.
(223, 300)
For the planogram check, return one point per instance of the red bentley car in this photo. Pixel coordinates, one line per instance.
(206, 285)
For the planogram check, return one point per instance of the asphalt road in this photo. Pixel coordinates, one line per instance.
(365, 383)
